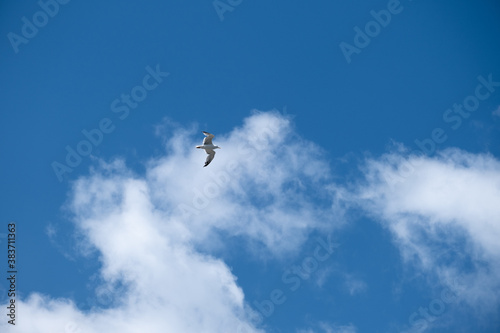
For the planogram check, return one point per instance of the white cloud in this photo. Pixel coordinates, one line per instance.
(153, 234)
(496, 112)
(354, 285)
(443, 212)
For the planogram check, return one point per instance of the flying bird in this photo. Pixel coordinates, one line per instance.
(209, 147)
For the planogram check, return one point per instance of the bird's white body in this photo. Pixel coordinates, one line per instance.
(209, 147)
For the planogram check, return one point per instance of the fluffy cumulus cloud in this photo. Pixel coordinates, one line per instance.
(257, 186)
(154, 234)
(444, 213)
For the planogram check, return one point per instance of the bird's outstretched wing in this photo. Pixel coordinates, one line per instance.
(210, 157)
(208, 138)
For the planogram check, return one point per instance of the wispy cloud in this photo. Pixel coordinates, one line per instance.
(354, 285)
(496, 112)
(443, 216)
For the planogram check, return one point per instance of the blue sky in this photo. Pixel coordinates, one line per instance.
(355, 191)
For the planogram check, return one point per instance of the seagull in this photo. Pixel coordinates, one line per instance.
(209, 147)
